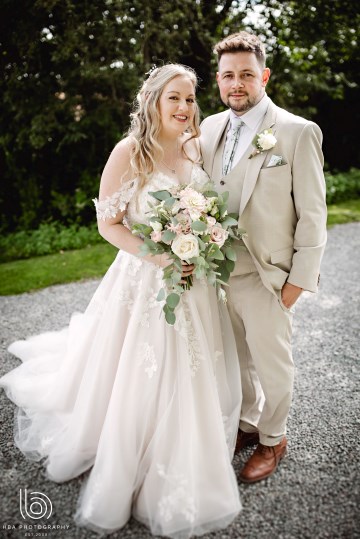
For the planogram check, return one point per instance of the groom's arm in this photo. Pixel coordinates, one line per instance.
(309, 194)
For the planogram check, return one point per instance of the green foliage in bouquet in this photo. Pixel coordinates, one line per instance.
(195, 227)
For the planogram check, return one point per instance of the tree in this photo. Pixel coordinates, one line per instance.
(314, 55)
(72, 68)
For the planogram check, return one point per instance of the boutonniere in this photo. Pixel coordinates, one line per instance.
(263, 141)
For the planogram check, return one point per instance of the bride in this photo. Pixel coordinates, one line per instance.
(152, 409)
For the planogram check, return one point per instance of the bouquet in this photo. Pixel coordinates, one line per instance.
(195, 227)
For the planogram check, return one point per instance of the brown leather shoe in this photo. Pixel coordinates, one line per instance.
(263, 462)
(245, 439)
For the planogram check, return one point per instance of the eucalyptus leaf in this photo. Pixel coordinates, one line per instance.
(172, 300)
(230, 254)
(169, 202)
(168, 235)
(202, 244)
(160, 195)
(177, 264)
(145, 230)
(230, 265)
(217, 255)
(178, 288)
(199, 226)
(211, 194)
(161, 294)
(170, 317)
(176, 277)
(150, 243)
(144, 250)
(224, 273)
(228, 221)
(155, 219)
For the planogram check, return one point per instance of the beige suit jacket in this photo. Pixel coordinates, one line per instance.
(282, 208)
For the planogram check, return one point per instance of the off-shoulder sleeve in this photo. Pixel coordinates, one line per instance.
(116, 203)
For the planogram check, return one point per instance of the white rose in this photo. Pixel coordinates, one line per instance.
(218, 235)
(266, 141)
(185, 246)
(155, 225)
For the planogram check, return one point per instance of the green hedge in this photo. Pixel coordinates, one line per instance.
(342, 186)
(47, 239)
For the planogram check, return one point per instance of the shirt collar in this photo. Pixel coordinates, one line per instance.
(253, 117)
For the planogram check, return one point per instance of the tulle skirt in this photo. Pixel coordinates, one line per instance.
(152, 409)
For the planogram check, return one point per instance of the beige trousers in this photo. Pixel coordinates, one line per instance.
(262, 327)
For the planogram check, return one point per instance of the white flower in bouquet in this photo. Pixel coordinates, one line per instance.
(185, 246)
(218, 235)
(156, 236)
(193, 201)
(210, 204)
(156, 225)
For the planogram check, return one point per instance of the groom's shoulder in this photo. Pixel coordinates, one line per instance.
(287, 117)
(215, 118)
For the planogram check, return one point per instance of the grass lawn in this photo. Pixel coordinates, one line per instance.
(344, 212)
(93, 261)
(34, 273)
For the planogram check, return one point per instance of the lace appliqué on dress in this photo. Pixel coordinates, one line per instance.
(146, 298)
(116, 203)
(185, 328)
(145, 355)
(179, 501)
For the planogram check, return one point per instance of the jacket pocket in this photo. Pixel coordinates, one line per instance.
(281, 255)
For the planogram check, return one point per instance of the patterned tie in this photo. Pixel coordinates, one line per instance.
(231, 144)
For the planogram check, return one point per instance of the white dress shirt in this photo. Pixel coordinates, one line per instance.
(252, 121)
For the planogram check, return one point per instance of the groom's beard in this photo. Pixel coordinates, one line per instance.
(246, 104)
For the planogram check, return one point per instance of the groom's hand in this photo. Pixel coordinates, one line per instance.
(290, 294)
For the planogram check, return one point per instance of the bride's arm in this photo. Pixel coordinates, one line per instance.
(111, 228)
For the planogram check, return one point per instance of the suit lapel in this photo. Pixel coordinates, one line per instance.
(215, 150)
(254, 165)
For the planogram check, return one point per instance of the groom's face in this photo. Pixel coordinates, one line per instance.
(241, 80)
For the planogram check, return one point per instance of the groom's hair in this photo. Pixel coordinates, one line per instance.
(242, 42)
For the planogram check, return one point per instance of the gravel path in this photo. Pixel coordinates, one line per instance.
(315, 492)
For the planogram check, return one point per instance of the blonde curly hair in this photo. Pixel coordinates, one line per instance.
(146, 123)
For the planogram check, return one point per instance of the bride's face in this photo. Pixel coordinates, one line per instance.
(177, 105)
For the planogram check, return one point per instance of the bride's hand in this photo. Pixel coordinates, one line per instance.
(187, 269)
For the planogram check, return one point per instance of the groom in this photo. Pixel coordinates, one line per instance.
(278, 187)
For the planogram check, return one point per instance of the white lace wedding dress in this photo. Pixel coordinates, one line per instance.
(152, 408)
